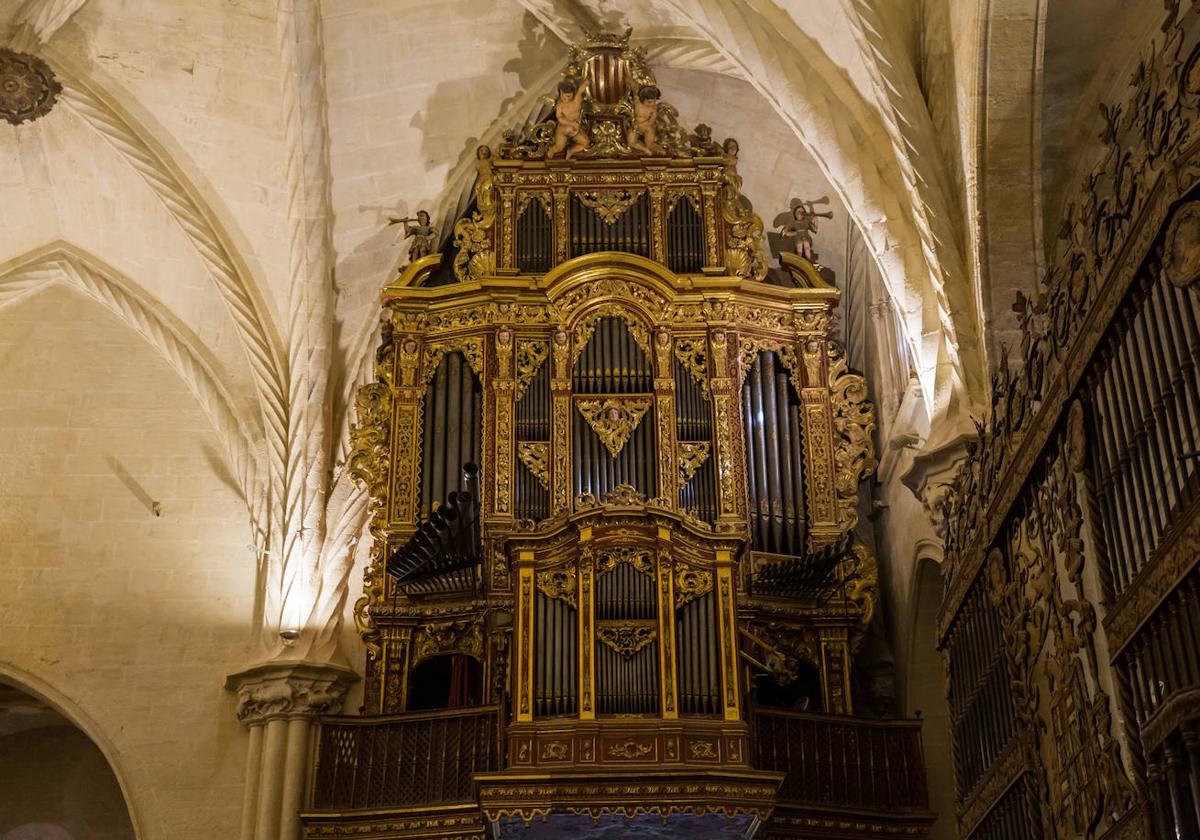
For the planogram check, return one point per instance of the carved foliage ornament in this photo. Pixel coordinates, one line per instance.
(558, 583)
(691, 584)
(531, 355)
(691, 353)
(614, 419)
(626, 639)
(610, 205)
(460, 636)
(692, 456)
(853, 421)
(28, 89)
(535, 455)
(639, 558)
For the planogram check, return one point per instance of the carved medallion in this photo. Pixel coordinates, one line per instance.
(28, 89)
(1181, 251)
(614, 419)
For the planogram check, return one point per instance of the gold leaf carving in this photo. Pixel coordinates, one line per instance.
(692, 354)
(692, 455)
(626, 639)
(691, 584)
(535, 455)
(531, 355)
(853, 421)
(630, 749)
(609, 205)
(448, 637)
(558, 584)
(639, 558)
(614, 419)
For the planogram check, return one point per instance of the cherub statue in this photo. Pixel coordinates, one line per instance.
(643, 133)
(730, 148)
(803, 225)
(423, 234)
(702, 142)
(569, 135)
(484, 197)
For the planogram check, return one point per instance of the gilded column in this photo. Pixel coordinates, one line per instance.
(727, 425)
(562, 232)
(560, 425)
(835, 663)
(817, 415)
(729, 636)
(406, 433)
(658, 225)
(666, 625)
(501, 441)
(587, 664)
(523, 672)
(664, 412)
(279, 702)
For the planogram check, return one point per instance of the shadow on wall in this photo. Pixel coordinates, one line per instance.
(927, 695)
(55, 784)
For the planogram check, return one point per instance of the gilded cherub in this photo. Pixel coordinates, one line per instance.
(569, 135)
(643, 133)
(423, 234)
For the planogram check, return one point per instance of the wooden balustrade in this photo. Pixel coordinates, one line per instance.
(842, 762)
(406, 759)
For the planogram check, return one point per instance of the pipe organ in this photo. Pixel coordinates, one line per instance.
(1071, 621)
(666, 447)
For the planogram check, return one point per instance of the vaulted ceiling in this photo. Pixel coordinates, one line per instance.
(219, 172)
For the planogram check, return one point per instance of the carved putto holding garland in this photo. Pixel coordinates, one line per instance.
(599, 449)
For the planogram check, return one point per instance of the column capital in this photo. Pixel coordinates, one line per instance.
(930, 474)
(289, 689)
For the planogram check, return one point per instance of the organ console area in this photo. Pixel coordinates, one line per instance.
(614, 462)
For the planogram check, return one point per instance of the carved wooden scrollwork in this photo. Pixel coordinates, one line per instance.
(460, 636)
(691, 584)
(558, 583)
(610, 205)
(614, 419)
(626, 639)
(535, 455)
(639, 558)
(853, 421)
(531, 355)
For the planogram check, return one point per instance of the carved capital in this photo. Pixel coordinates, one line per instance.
(289, 690)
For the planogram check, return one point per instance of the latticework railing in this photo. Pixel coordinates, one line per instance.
(843, 762)
(407, 759)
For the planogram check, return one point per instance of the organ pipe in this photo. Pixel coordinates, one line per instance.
(452, 429)
(774, 458)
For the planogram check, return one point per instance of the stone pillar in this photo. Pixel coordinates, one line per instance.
(279, 702)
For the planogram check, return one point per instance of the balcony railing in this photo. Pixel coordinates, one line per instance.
(407, 759)
(843, 762)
